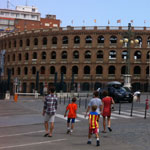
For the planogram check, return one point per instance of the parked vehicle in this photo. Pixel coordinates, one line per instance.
(118, 92)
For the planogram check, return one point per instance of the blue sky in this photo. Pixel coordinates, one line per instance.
(84, 12)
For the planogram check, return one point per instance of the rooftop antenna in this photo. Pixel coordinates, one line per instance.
(7, 4)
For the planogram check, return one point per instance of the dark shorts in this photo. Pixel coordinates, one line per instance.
(93, 131)
(71, 119)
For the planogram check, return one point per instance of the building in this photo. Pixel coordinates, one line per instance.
(87, 57)
(24, 18)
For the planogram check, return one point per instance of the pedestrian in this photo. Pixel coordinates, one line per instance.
(106, 111)
(95, 101)
(93, 125)
(72, 114)
(49, 110)
(137, 96)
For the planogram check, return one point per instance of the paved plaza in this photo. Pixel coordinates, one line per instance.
(21, 127)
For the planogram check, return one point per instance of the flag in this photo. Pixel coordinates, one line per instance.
(94, 20)
(119, 21)
(108, 22)
(131, 21)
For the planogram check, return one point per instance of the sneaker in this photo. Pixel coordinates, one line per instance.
(68, 131)
(109, 129)
(89, 142)
(97, 143)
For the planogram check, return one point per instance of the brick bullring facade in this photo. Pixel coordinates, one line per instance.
(92, 56)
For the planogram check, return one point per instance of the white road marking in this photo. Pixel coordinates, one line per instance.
(30, 144)
(121, 116)
(65, 118)
(139, 112)
(21, 133)
(137, 115)
(81, 116)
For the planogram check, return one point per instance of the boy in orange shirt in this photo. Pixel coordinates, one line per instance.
(72, 108)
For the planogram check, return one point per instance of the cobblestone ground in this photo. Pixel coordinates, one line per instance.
(21, 127)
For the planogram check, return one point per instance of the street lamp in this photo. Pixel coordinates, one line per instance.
(128, 40)
(149, 74)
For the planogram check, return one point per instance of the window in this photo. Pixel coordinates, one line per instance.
(74, 70)
(26, 56)
(27, 42)
(137, 55)
(100, 54)
(148, 55)
(86, 70)
(18, 71)
(35, 41)
(9, 44)
(137, 70)
(123, 69)
(64, 55)
(76, 40)
(33, 70)
(53, 55)
(14, 57)
(25, 70)
(100, 39)
(42, 70)
(111, 70)
(112, 54)
(124, 54)
(54, 40)
(99, 70)
(87, 55)
(63, 70)
(21, 43)
(113, 39)
(44, 41)
(43, 55)
(65, 40)
(34, 55)
(88, 40)
(52, 70)
(76, 55)
(19, 57)
(15, 43)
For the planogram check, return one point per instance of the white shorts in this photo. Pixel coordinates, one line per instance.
(50, 118)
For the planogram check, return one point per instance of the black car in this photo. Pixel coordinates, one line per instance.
(118, 92)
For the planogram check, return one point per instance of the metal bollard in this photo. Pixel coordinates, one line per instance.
(119, 107)
(79, 102)
(85, 103)
(60, 100)
(64, 100)
(131, 109)
(146, 108)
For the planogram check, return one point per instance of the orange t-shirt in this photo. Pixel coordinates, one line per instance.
(72, 110)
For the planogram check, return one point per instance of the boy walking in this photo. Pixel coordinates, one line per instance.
(93, 125)
(72, 108)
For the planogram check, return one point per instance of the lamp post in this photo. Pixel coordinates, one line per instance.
(149, 74)
(129, 35)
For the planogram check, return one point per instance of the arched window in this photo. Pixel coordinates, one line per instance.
(21, 43)
(76, 55)
(86, 70)
(19, 57)
(43, 55)
(137, 70)
(25, 70)
(27, 42)
(15, 43)
(76, 40)
(137, 55)
(18, 71)
(65, 40)
(9, 44)
(42, 70)
(113, 40)
(74, 70)
(100, 39)
(26, 56)
(99, 70)
(112, 54)
(88, 39)
(35, 41)
(147, 70)
(140, 40)
(54, 40)
(52, 70)
(123, 69)
(148, 41)
(34, 55)
(45, 41)
(64, 55)
(124, 54)
(111, 70)
(33, 70)
(53, 55)
(14, 57)
(63, 70)
(99, 54)
(148, 55)
(87, 54)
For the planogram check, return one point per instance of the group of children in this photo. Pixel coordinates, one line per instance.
(93, 120)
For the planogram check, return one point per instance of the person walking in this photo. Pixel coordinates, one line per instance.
(49, 110)
(107, 101)
(72, 108)
(93, 125)
(95, 101)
